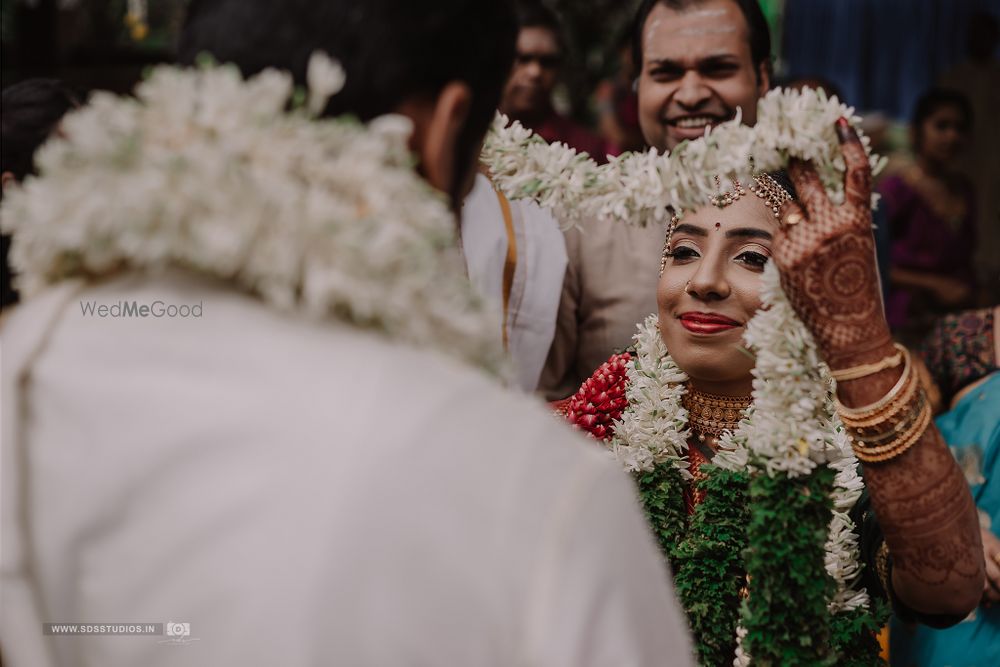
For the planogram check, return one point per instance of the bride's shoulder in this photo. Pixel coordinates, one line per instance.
(601, 398)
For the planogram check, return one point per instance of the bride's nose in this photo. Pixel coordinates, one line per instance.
(709, 282)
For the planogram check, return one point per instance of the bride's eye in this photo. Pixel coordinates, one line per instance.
(752, 259)
(683, 252)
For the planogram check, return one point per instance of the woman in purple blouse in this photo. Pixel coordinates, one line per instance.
(930, 209)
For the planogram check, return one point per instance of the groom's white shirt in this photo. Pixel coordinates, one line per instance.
(302, 493)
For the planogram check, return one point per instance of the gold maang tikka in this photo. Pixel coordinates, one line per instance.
(762, 184)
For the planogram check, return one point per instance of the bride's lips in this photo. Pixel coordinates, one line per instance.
(707, 323)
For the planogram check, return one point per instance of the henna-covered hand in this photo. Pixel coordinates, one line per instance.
(826, 254)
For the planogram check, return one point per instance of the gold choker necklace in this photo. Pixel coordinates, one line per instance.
(711, 414)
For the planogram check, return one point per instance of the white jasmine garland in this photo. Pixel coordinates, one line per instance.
(795, 425)
(742, 658)
(792, 430)
(790, 427)
(637, 188)
(843, 553)
(652, 429)
(212, 173)
(525, 166)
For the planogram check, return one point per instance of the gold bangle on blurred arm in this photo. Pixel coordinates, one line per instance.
(887, 428)
(864, 370)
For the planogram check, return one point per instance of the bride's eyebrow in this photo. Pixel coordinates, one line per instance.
(748, 233)
(688, 228)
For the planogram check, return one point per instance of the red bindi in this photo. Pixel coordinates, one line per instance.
(718, 225)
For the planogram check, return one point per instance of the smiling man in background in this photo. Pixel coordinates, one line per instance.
(700, 62)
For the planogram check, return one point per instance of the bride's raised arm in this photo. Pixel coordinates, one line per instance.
(826, 254)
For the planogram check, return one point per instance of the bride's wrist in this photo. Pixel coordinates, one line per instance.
(862, 387)
(876, 349)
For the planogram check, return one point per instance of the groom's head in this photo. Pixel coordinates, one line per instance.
(699, 61)
(443, 63)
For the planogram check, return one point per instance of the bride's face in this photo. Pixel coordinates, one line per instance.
(710, 288)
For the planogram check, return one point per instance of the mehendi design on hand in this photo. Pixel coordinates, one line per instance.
(833, 293)
(828, 262)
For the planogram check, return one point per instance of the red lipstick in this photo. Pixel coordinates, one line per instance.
(707, 323)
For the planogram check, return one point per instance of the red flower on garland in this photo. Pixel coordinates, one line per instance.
(601, 399)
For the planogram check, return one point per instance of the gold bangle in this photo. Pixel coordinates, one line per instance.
(871, 409)
(919, 418)
(871, 449)
(901, 446)
(864, 370)
(890, 414)
(898, 426)
(887, 411)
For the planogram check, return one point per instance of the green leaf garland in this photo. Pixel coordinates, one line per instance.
(786, 615)
(662, 493)
(709, 564)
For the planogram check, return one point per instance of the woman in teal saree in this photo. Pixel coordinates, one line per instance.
(961, 350)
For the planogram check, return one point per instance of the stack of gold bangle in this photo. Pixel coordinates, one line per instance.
(890, 426)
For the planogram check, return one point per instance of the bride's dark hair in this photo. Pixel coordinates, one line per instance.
(781, 178)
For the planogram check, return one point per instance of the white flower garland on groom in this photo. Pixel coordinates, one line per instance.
(241, 180)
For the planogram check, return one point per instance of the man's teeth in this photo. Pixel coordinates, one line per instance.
(695, 121)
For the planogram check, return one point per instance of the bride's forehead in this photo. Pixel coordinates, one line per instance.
(747, 211)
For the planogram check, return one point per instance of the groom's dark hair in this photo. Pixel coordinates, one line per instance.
(391, 50)
(758, 32)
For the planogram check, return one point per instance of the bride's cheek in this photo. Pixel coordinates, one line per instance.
(669, 288)
(750, 295)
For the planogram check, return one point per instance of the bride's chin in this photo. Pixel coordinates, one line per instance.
(715, 366)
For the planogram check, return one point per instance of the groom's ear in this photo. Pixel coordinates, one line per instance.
(437, 127)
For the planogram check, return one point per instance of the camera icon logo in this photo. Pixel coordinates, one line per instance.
(178, 629)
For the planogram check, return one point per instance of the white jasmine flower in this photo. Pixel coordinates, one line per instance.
(324, 78)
